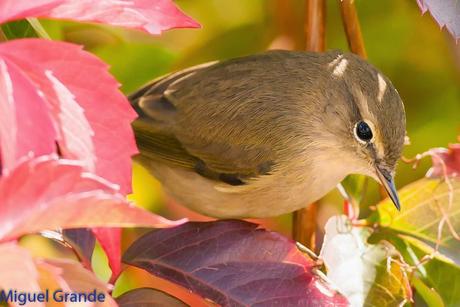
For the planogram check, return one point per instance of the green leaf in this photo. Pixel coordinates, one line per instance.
(438, 277)
(423, 203)
(440, 273)
(242, 40)
(429, 295)
(134, 64)
(18, 29)
(390, 287)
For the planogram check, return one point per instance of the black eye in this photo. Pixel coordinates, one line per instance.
(363, 131)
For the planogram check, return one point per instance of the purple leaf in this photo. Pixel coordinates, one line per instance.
(233, 263)
(147, 297)
(445, 12)
(82, 241)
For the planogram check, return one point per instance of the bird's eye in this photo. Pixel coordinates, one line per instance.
(363, 131)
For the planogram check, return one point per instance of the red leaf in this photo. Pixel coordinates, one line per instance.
(152, 16)
(446, 162)
(75, 199)
(110, 240)
(234, 264)
(91, 116)
(83, 240)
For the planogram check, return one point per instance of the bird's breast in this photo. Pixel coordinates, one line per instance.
(286, 190)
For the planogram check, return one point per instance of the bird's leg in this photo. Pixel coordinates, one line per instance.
(310, 254)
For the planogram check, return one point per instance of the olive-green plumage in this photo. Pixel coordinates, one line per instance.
(269, 133)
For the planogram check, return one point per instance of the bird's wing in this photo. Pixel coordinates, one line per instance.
(210, 119)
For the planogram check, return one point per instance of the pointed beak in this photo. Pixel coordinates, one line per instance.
(388, 183)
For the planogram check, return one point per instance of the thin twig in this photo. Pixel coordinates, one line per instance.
(352, 27)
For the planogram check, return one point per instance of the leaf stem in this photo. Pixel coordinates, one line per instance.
(38, 28)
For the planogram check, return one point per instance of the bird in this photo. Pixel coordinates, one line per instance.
(269, 133)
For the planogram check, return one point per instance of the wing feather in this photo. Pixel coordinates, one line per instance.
(211, 118)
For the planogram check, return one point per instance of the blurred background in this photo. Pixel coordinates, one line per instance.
(422, 61)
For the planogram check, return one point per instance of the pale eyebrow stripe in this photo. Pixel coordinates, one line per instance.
(382, 87)
(339, 65)
(363, 107)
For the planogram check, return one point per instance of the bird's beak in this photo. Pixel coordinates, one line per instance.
(388, 183)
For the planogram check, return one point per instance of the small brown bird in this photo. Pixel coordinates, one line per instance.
(267, 134)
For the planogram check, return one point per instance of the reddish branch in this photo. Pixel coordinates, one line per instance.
(315, 25)
(352, 28)
(289, 34)
(304, 220)
(304, 226)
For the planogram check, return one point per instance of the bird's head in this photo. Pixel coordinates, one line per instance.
(365, 114)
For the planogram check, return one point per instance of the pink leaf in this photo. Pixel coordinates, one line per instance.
(446, 162)
(445, 12)
(110, 240)
(22, 273)
(76, 134)
(22, 110)
(233, 264)
(71, 276)
(75, 199)
(18, 269)
(14, 9)
(91, 116)
(51, 85)
(152, 16)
